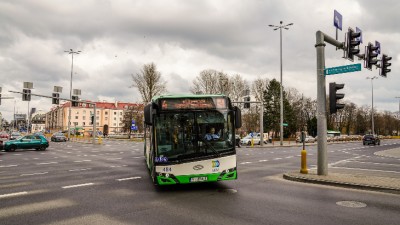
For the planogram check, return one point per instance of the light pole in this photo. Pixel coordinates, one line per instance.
(372, 112)
(281, 92)
(72, 52)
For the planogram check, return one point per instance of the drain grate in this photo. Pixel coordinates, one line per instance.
(351, 204)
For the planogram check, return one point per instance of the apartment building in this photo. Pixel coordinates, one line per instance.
(110, 114)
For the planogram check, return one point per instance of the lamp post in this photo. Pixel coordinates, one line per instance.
(72, 52)
(281, 92)
(372, 112)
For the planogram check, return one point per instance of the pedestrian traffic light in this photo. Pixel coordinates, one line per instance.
(26, 96)
(333, 97)
(55, 99)
(371, 56)
(247, 102)
(74, 101)
(385, 65)
(352, 42)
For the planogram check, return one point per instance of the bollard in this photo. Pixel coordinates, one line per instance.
(252, 142)
(100, 140)
(304, 162)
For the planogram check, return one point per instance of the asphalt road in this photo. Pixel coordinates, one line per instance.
(74, 183)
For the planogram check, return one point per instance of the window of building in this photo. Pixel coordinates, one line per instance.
(115, 118)
(84, 117)
(97, 124)
(97, 118)
(106, 113)
(75, 123)
(115, 113)
(76, 117)
(120, 113)
(84, 111)
(98, 112)
(83, 123)
(114, 124)
(106, 118)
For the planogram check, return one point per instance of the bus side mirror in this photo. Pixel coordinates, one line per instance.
(238, 117)
(147, 114)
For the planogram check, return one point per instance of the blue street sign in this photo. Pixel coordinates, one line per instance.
(133, 122)
(377, 44)
(133, 127)
(337, 20)
(342, 69)
(358, 30)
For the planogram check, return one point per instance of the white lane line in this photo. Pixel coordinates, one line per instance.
(277, 158)
(114, 159)
(245, 163)
(86, 160)
(83, 169)
(289, 157)
(13, 194)
(6, 166)
(78, 185)
(46, 163)
(17, 154)
(263, 160)
(129, 178)
(32, 174)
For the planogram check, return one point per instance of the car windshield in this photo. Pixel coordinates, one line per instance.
(187, 135)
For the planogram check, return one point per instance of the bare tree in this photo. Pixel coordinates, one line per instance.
(149, 82)
(258, 87)
(239, 85)
(206, 82)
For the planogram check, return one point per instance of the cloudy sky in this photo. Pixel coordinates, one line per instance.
(184, 37)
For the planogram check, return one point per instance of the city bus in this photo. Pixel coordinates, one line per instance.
(176, 148)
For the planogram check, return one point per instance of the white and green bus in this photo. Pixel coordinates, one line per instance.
(178, 148)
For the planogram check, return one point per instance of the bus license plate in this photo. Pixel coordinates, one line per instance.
(198, 179)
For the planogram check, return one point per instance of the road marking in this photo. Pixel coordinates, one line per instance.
(13, 194)
(17, 154)
(118, 166)
(83, 169)
(263, 160)
(86, 160)
(114, 159)
(46, 163)
(78, 185)
(245, 163)
(289, 157)
(6, 166)
(32, 174)
(277, 158)
(129, 178)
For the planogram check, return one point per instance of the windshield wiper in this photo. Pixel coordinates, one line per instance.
(212, 148)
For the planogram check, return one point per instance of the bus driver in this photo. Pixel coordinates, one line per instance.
(211, 136)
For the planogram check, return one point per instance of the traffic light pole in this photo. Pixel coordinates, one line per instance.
(321, 38)
(66, 99)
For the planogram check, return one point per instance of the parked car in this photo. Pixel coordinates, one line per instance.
(15, 135)
(371, 139)
(27, 142)
(256, 139)
(4, 135)
(58, 137)
(307, 139)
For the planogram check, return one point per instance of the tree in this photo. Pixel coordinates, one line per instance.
(149, 82)
(134, 112)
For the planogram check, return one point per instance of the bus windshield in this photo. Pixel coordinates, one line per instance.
(188, 135)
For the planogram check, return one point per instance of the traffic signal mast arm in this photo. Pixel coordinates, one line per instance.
(45, 96)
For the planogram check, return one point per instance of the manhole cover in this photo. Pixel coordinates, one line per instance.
(352, 204)
(227, 190)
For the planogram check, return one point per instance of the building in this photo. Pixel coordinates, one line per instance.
(38, 120)
(107, 114)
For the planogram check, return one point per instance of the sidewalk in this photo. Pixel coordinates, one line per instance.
(353, 179)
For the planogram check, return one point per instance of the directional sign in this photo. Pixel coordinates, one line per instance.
(358, 30)
(377, 44)
(343, 69)
(133, 127)
(285, 124)
(337, 20)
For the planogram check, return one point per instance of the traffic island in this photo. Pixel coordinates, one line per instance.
(356, 181)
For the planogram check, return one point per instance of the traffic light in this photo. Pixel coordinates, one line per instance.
(385, 65)
(74, 101)
(92, 119)
(247, 102)
(352, 43)
(55, 99)
(371, 56)
(26, 96)
(333, 97)
(0, 98)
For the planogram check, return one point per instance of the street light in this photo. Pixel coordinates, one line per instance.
(281, 92)
(72, 52)
(372, 113)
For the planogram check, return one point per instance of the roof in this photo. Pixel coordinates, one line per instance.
(155, 98)
(105, 105)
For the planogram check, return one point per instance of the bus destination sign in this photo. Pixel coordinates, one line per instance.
(193, 103)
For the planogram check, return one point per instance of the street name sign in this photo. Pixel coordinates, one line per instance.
(343, 69)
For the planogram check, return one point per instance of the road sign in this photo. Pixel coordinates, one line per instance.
(284, 124)
(358, 30)
(133, 127)
(343, 69)
(337, 20)
(377, 44)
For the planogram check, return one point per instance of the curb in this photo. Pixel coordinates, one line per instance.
(369, 187)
